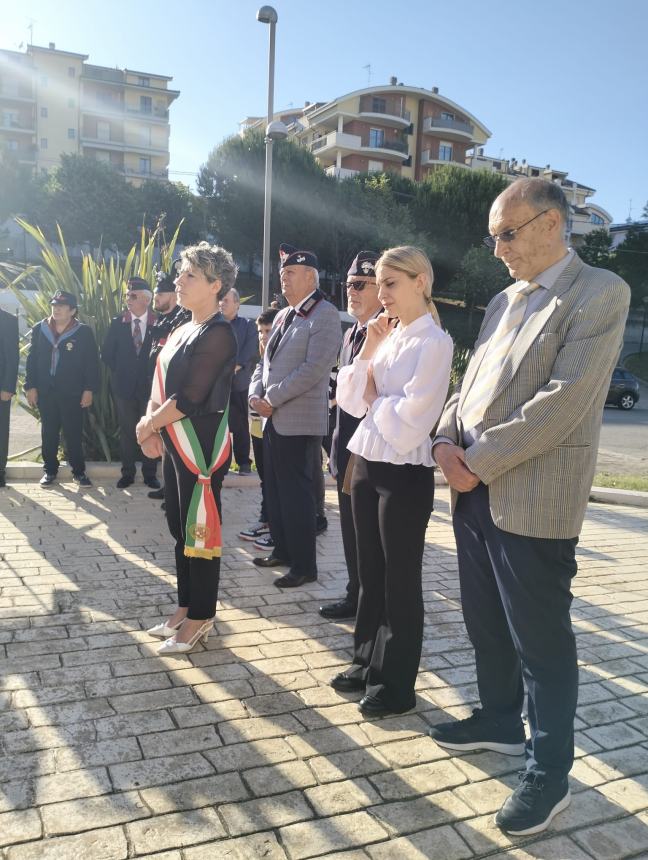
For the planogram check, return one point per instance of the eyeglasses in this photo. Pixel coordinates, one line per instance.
(358, 286)
(508, 235)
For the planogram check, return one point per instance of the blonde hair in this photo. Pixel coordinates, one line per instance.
(214, 262)
(412, 262)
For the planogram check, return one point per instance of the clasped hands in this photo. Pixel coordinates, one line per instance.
(148, 438)
(261, 405)
(451, 459)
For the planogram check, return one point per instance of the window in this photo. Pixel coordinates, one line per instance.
(12, 145)
(71, 103)
(10, 119)
(103, 156)
(43, 143)
(145, 165)
(376, 137)
(379, 106)
(446, 115)
(596, 219)
(445, 151)
(535, 172)
(375, 166)
(44, 112)
(71, 133)
(146, 104)
(143, 82)
(71, 72)
(103, 130)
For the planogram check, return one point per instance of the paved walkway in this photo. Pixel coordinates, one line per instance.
(242, 750)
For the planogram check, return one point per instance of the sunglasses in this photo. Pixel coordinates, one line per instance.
(358, 286)
(508, 235)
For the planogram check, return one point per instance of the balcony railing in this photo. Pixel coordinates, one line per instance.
(432, 123)
(99, 74)
(389, 107)
(146, 174)
(17, 126)
(396, 145)
(158, 113)
(341, 172)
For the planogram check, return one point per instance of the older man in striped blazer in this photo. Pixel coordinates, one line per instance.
(518, 446)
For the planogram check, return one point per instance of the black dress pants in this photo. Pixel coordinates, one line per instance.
(257, 448)
(288, 465)
(5, 411)
(240, 427)
(515, 593)
(347, 527)
(197, 578)
(129, 413)
(391, 508)
(61, 412)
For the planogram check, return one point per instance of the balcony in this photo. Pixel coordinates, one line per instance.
(341, 172)
(155, 114)
(326, 148)
(390, 145)
(453, 129)
(428, 161)
(122, 145)
(119, 110)
(144, 174)
(17, 127)
(386, 111)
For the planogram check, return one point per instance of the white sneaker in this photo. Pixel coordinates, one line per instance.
(256, 531)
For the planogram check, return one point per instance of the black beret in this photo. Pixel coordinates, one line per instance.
(364, 265)
(300, 258)
(138, 284)
(165, 283)
(60, 297)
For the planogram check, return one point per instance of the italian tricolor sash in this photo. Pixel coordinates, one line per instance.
(203, 526)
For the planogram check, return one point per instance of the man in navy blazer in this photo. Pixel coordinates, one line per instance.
(8, 376)
(289, 389)
(126, 351)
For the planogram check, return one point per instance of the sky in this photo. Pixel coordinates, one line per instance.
(559, 82)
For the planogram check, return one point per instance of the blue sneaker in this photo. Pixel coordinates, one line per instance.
(533, 804)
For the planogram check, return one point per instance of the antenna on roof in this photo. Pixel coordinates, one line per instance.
(368, 68)
(30, 27)
(629, 218)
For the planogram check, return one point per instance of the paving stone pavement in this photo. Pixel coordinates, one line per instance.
(241, 749)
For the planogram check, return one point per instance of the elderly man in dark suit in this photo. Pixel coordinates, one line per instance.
(8, 377)
(518, 446)
(363, 304)
(289, 388)
(125, 351)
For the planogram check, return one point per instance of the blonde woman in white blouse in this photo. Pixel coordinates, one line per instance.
(398, 382)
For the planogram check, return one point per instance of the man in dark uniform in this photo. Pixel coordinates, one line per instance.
(170, 316)
(61, 376)
(8, 376)
(246, 358)
(363, 304)
(125, 351)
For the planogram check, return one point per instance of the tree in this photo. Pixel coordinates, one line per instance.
(480, 277)
(168, 204)
(20, 193)
(596, 250)
(631, 262)
(645, 211)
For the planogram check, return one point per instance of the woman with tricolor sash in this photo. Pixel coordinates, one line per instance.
(187, 416)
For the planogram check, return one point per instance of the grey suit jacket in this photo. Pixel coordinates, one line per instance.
(295, 380)
(537, 453)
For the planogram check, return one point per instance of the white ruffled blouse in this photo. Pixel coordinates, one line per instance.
(411, 370)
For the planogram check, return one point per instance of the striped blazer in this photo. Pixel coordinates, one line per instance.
(538, 449)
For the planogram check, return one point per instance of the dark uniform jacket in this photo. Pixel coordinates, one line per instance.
(164, 325)
(248, 352)
(77, 369)
(129, 371)
(8, 351)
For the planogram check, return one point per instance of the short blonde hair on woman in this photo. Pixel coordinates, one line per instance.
(412, 262)
(214, 262)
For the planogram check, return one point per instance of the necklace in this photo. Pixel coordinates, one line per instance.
(202, 322)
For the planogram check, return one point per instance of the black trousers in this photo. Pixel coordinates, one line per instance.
(239, 427)
(129, 413)
(347, 527)
(60, 412)
(288, 464)
(319, 487)
(197, 578)
(516, 597)
(5, 411)
(391, 508)
(257, 448)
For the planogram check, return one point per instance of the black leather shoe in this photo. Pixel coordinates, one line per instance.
(321, 524)
(153, 483)
(47, 480)
(124, 482)
(370, 706)
(3, 482)
(341, 609)
(269, 561)
(82, 480)
(156, 494)
(344, 683)
(292, 581)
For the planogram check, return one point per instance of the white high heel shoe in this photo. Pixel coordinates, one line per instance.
(172, 646)
(162, 631)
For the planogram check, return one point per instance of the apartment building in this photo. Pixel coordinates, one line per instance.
(585, 215)
(394, 128)
(54, 102)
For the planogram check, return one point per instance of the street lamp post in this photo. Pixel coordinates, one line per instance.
(274, 131)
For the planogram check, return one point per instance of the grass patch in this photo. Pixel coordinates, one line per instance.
(621, 482)
(637, 364)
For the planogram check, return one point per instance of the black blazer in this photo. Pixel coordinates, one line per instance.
(345, 424)
(8, 351)
(78, 365)
(129, 372)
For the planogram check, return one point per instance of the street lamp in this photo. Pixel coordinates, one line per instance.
(274, 131)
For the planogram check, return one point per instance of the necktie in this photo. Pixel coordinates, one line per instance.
(481, 391)
(137, 335)
(357, 341)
